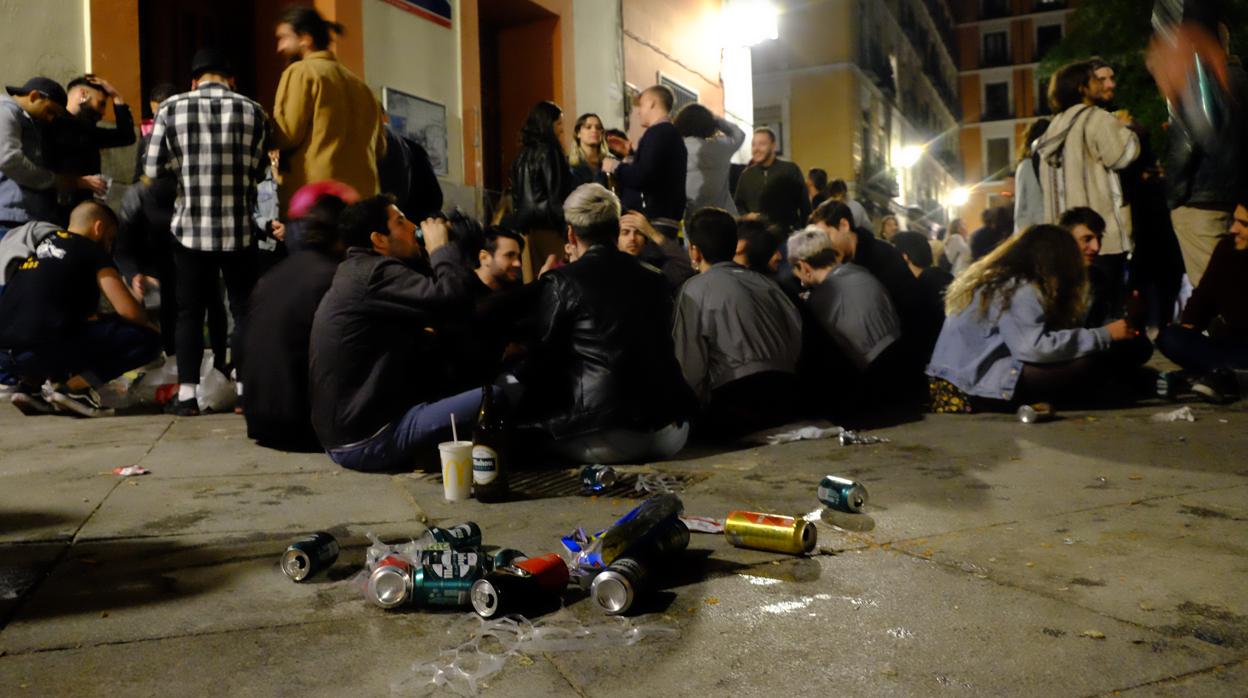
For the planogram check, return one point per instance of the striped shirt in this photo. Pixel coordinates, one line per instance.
(213, 141)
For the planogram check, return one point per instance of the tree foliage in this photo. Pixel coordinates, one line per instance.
(1119, 31)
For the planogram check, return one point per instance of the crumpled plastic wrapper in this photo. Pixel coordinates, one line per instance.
(1183, 414)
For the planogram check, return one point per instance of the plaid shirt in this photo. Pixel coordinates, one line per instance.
(212, 139)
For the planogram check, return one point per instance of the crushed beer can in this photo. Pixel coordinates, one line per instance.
(529, 585)
(842, 494)
(853, 438)
(465, 536)
(596, 478)
(616, 588)
(781, 534)
(309, 556)
(391, 582)
(506, 557)
(1035, 413)
(445, 577)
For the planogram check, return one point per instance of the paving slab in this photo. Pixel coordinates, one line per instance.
(214, 445)
(1221, 680)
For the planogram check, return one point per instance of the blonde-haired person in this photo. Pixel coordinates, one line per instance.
(1013, 331)
(588, 151)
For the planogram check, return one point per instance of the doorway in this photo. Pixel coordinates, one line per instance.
(171, 31)
(520, 66)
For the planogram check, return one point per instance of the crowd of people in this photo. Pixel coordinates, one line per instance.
(627, 296)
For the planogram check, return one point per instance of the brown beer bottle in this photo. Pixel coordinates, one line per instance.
(489, 451)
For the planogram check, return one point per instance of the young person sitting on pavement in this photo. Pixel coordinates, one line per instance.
(917, 251)
(1013, 334)
(279, 326)
(1220, 307)
(602, 384)
(737, 335)
(758, 246)
(853, 351)
(50, 325)
(642, 240)
(373, 379)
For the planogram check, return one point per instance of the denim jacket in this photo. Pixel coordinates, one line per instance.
(983, 354)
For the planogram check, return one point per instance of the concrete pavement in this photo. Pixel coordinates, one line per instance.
(1102, 554)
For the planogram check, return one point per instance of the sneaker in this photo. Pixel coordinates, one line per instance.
(84, 404)
(31, 403)
(182, 408)
(1219, 387)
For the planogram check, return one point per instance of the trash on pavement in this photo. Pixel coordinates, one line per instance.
(1183, 414)
(596, 478)
(309, 555)
(781, 534)
(809, 432)
(130, 470)
(1038, 412)
(702, 524)
(853, 438)
(842, 494)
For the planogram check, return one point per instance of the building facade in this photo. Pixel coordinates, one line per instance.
(461, 74)
(1000, 45)
(867, 90)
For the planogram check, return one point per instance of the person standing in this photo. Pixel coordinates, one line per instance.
(76, 138)
(589, 151)
(326, 120)
(838, 190)
(540, 181)
(711, 142)
(1080, 155)
(213, 140)
(817, 186)
(654, 182)
(773, 187)
(957, 249)
(27, 185)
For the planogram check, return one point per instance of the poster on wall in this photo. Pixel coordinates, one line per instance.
(436, 11)
(422, 121)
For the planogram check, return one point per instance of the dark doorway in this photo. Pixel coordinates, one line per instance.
(520, 66)
(171, 31)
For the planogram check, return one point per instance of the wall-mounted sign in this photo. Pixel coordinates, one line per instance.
(436, 11)
(422, 121)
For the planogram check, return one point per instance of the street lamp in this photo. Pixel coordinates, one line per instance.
(959, 196)
(745, 23)
(908, 156)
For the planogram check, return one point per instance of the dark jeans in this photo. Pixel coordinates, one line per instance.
(417, 432)
(197, 284)
(758, 401)
(1108, 378)
(101, 349)
(218, 323)
(1115, 268)
(1196, 352)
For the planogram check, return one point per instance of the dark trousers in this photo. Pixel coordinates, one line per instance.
(102, 349)
(218, 323)
(415, 434)
(1196, 352)
(197, 284)
(1108, 378)
(757, 401)
(1115, 268)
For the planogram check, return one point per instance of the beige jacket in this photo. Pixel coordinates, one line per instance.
(1079, 154)
(327, 123)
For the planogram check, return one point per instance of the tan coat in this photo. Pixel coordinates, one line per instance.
(327, 123)
(1079, 156)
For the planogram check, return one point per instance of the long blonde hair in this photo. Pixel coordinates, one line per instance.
(577, 156)
(1045, 256)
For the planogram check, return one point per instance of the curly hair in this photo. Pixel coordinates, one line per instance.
(1045, 256)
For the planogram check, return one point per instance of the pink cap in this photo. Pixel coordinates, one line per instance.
(306, 197)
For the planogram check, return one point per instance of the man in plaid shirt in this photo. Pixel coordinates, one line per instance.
(213, 141)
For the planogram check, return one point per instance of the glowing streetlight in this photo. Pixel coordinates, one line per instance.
(749, 22)
(907, 156)
(959, 196)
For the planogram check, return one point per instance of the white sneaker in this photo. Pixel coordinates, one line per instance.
(86, 404)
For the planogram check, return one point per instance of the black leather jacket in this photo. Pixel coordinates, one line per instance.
(540, 181)
(603, 356)
(1208, 171)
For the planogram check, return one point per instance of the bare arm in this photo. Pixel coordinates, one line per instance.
(120, 297)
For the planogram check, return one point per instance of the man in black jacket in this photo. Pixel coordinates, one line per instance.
(76, 137)
(654, 182)
(374, 395)
(772, 187)
(602, 382)
(406, 172)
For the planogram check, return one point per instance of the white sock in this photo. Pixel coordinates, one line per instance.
(186, 391)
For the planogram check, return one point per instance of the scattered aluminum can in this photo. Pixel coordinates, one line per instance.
(596, 478)
(1171, 384)
(1039, 412)
(308, 556)
(853, 438)
(528, 585)
(615, 589)
(781, 534)
(391, 582)
(465, 536)
(445, 577)
(506, 557)
(842, 494)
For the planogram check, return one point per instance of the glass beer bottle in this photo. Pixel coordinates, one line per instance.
(489, 451)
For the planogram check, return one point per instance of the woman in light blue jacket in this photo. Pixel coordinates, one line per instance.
(1013, 335)
(711, 142)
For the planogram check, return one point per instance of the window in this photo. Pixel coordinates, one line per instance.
(996, 49)
(998, 158)
(684, 95)
(1047, 37)
(997, 101)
